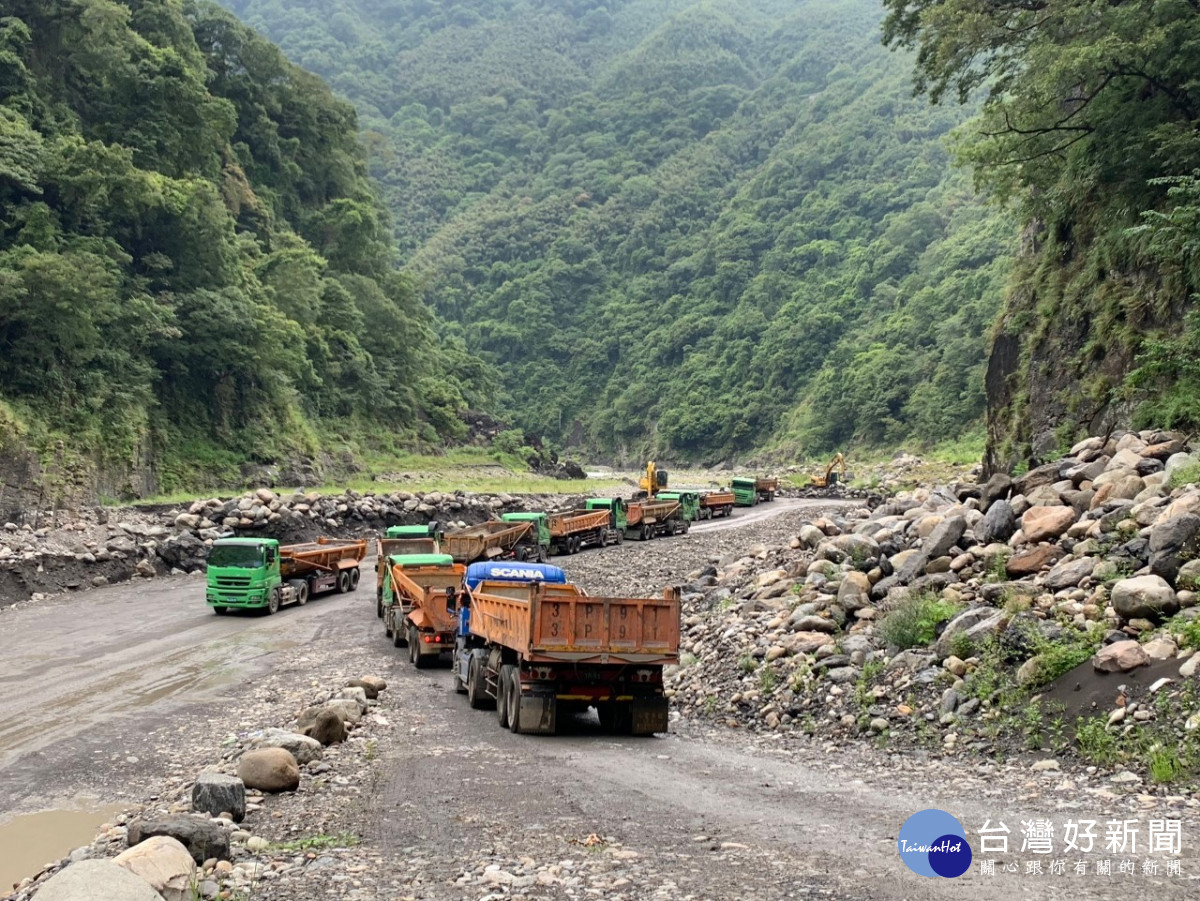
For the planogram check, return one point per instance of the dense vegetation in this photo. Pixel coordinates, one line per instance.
(1090, 129)
(194, 270)
(692, 227)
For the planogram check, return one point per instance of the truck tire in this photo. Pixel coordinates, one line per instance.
(420, 661)
(502, 709)
(273, 602)
(542, 556)
(398, 640)
(514, 700)
(413, 647)
(477, 698)
(379, 604)
(300, 586)
(460, 687)
(620, 536)
(343, 581)
(220, 611)
(355, 578)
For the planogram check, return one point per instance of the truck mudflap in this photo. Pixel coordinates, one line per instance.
(538, 714)
(648, 716)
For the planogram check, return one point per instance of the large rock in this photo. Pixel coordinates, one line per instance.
(998, 487)
(1069, 574)
(1031, 561)
(976, 624)
(1046, 523)
(164, 863)
(304, 748)
(203, 838)
(1144, 597)
(946, 534)
(854, 591)
(216, 793)
(269, 770)
(1120, 657)
(325, 724)
(1046, 474)
(998, 524)
(350, 710)
(96, 880)
(1173, 542)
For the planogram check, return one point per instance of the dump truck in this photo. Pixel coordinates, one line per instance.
(539, 649)
(420, 600)
(716, 503)
(402, 540)
(576, 529)
(749, 491)
(689, 502)
(642, 519)
(258, 573)
(492, 540)
(541, 531)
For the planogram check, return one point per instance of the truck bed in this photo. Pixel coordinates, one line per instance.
(578, 521)
(556, 623)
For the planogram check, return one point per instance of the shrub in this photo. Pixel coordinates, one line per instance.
(915, 620)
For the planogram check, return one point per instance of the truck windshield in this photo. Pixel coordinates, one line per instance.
(243, 556)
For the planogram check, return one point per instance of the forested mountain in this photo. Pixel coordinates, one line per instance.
(194, 269)
(688, 227)
(1091, 130)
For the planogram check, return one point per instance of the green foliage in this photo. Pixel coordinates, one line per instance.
(914, 620)
(1096, 744)
(319, 842)
(685, 228)
(191, 255)
(1061, 656)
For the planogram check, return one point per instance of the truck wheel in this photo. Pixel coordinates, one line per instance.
(379, 604)
(645, 534)
(220, 611)
(542, 556)
(273, 602)
(355, 578)
(460, 687)
(300, 586)
(476, 698)
(413, 638)
(502, 709)
(420, 661)
(343, 582)
(514, 700)
(397, 638)
(620, 536)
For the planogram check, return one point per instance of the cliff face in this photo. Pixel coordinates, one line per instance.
(1076, 316)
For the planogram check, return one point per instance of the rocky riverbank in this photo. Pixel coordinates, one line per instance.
(1051, 616)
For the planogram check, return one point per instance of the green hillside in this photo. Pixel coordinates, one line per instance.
(194, 269)
(687, 227)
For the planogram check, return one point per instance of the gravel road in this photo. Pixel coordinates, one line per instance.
(120, 692)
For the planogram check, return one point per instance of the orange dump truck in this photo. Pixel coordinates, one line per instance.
(492, 540)
(716, 503)
(419, 601)
(576, 529)
(538, 649)
(391, 547)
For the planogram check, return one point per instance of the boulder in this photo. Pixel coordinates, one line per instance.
(203, 838)
(302, 747)
(1042, 475)
(96, 880)
(356, 694)
(350, 710)
(324, 724)
(1069, 574)
(368, 688)
(999, 523)
(998, 487)
(164, 863)
(1032, 560)
(1144, 597)
(1120, 657)
(1046, 523)
(976, 624)
(216, 793)
(1173, 542)
(854, 591)
(944, 536)
(375, 682)
(269, 770)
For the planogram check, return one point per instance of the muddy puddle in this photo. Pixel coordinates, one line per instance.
(31, 841)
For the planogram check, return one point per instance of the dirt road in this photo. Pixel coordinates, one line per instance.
(98, 687)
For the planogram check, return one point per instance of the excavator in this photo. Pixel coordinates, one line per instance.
(654, 480)
(835, 472)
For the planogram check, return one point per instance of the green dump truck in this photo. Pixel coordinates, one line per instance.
(259, 574)
(689, 502)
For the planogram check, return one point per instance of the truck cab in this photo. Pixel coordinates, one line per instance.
(745, 492)
(541, 525)
(615, 504)
(242, 572)
(689, 502)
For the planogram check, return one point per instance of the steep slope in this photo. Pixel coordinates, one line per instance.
(686, 228)
(194, 271)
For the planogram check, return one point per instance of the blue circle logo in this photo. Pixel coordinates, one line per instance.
(934, 843)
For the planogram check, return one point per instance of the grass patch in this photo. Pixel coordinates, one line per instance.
(768, 680)
(319, 842)
(963, 450)
(747, 663)
(1096, 744)
(914, 621)
(1185, 475)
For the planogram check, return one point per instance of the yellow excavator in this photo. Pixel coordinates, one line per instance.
(834, 472)
(654, 480)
